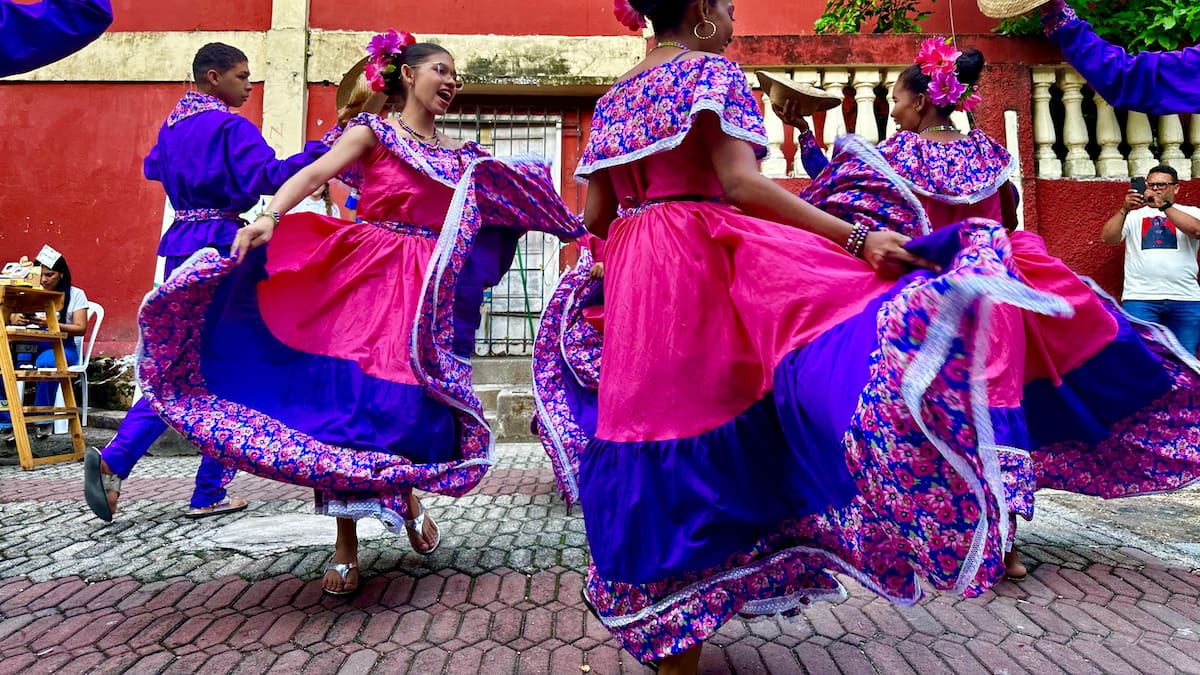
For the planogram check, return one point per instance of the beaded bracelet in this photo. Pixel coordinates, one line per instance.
(858, 239)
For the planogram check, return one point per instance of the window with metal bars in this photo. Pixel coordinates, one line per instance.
(555, 132)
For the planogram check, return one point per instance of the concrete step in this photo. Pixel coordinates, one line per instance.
(488, 395)
(514, 411)
(511, 371)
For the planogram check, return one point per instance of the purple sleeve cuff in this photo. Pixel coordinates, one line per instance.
(811, 157)
(1056, 16)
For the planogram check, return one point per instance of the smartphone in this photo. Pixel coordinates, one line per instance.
(1138, 185)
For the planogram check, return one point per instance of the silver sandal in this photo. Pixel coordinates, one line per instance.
(416, 528)
(343, 571)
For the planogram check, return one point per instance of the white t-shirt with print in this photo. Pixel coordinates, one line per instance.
(1160, 259)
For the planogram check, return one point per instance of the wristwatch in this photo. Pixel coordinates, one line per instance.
(1166, 205)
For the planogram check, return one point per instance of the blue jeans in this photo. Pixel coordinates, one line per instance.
(47, 390)
(1181, 317)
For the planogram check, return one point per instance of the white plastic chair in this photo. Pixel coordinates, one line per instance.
(95, 318)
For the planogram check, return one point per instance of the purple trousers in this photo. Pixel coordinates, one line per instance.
(142, 427)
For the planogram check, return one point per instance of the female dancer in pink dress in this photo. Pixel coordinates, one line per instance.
(338, 356)
(774, 405)
(1101, 406)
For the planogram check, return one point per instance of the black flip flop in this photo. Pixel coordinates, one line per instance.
(93, 486)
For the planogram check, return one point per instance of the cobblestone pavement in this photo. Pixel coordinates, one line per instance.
(1111, 590)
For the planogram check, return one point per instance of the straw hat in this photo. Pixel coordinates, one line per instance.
(810, 99)
(350, 81)
(1003, 9)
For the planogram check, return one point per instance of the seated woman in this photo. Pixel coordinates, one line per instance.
(72, 320)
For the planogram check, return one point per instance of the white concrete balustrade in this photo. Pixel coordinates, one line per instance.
(1123, 150)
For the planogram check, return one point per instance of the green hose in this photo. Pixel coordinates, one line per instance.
(525, 292)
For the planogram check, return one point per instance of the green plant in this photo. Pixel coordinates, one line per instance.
(889, 16)
(1139, 25)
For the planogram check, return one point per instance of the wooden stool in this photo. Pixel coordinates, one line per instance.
(26, 300)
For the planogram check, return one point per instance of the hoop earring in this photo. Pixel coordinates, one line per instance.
(696, 30)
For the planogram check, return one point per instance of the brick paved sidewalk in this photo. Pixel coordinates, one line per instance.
(153, 592)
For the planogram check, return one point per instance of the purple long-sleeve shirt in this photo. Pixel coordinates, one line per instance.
(1158, 83)
(209, 158)
(34, 35)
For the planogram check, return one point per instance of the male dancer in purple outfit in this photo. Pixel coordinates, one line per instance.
(213, 165)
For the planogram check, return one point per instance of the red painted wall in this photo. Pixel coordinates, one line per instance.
(87, 196)
(481, 17)
(186, 15)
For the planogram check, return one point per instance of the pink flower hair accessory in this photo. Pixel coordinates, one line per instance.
(938, 60)
(937, 55)
(628, 16)
(383, 52)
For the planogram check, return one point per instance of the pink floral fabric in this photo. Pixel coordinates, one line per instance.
(1157, 449)
(963, 171)
(634, 119)
(567, 346)
(194, 103)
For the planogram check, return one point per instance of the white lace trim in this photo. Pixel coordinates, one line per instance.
(392, 520)
(1005, 175)
(828, 558)
(975, 197)
(442, 255)
(787, 603)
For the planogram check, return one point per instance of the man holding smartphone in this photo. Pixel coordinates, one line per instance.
(1162, 240)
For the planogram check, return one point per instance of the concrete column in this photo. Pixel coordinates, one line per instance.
(1075, 132)
(1044, 133)
(1108, 134)
(865, 80)
(285, 96)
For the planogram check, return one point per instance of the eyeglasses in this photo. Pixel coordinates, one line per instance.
(448, 74)
(1159, 186)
